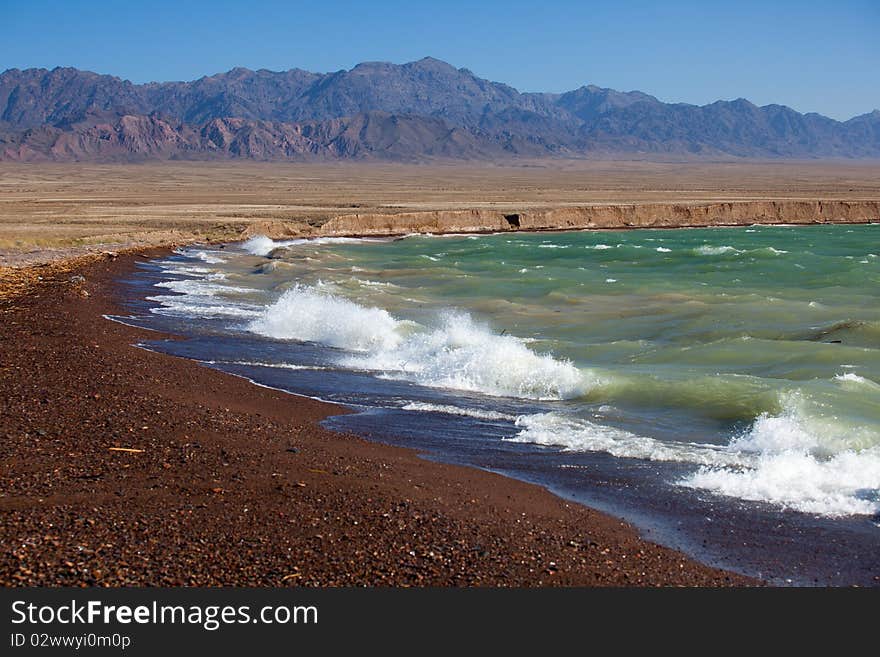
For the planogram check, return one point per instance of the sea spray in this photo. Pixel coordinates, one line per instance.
(845, 484)
(581, 435)
(261, 245)
(462, 354)
(802, 461)
(308, 315)
(477, 413)
(457, 353)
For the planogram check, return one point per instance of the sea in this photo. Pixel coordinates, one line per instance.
(719, 388)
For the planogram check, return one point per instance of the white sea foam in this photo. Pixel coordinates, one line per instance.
(461, 354)
(457, 410)
(576, 434)
(851, 378)
(309, 315)
(845, 484)
(184, 270)
(203, 255)
(791, 460)
(202, 287)
(456, 353)
(260, 245)
(803, 462)
(663, 249)
(600, 247)
(708, 249)
(187, 306)
(202, 297)
(802, 427)
(259, 363)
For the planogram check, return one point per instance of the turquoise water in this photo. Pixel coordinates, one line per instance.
(751, 355)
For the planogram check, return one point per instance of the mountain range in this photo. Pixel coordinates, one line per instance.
(416, 111)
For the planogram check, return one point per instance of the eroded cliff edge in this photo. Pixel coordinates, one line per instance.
(608, 216)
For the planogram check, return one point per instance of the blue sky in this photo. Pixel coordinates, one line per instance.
(813, 55)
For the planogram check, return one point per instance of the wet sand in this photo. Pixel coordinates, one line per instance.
(123, 467)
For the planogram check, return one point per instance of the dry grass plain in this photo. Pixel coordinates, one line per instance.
(50, 211)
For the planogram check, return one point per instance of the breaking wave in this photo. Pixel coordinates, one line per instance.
(708, 249)
(260, 245)
(456, 353)
(811, 454)
(203, 255)
(448, 409)
(576, 434)
(803, 462)
(793, 459)
(201, 297)
(308, 315)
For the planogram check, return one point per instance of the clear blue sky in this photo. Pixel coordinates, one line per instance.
(814, 55)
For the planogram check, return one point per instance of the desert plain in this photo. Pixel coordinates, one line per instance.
(51, 211)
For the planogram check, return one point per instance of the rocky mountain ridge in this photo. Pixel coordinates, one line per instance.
(420, 110)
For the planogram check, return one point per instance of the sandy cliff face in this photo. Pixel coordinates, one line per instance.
(741, 213)
(442, 221)
(646, 215)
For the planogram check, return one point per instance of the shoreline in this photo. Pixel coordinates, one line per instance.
(617, 216)
(20, 262)
(228, 463)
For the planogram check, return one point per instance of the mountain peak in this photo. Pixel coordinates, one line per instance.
(434, 65)
(367, 66)
(431, 61)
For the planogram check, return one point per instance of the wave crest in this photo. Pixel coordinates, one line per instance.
(458, 353)
(803, 462)
(575, 434)
(305, 314)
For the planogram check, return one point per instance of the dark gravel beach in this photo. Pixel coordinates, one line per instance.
(123, 467)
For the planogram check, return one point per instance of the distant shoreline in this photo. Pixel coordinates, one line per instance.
(52, 212)
(594, 217)
(629, 216)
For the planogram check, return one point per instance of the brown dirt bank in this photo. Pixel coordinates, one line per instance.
(51, 211)
(238, 485)
(644, 215)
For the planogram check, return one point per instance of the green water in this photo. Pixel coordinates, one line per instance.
(719, 321)
(753, 353)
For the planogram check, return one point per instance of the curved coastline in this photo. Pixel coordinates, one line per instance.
(226, 462)
(102, 270)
